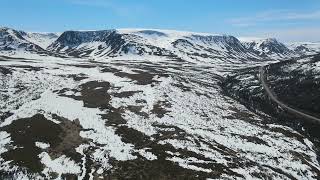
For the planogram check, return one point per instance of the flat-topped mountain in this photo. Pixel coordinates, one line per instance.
(167, 43)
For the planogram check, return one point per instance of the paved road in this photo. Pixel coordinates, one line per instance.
(281, 104)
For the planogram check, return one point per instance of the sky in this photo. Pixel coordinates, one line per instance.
(286, 20)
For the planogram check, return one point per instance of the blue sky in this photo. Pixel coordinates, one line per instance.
(288, 20)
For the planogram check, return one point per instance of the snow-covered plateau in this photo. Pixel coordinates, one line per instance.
(142, 104)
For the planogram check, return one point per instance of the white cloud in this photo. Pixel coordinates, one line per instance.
(302, 34)
(274, 16)
(292, 35)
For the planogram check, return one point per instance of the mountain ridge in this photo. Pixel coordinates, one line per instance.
(139, 43)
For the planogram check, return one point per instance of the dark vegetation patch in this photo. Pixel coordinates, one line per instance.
(252, 139)
(201, 93)
(181, 83)
(157, 169)
(161, 108)
(86, 66)
(64, 90)
(3, 59)
(241, 115)
(141, 101)
(207, 84)
(229, 153)
(19, 88)
(94, 94)
(129, 135)
(109, 69)
(8, 58)
(5, 115)
(77, 77)
(24, 133)
(287, 133)
(142, 78)
(113, 117)
(137, 110)
(5, 71)
(280, 171)
(183, 87)
(126, 94)
(27, 67)
(63, 138)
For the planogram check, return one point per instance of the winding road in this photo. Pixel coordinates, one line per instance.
(281, 104)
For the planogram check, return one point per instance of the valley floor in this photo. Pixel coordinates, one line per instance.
(68, 118)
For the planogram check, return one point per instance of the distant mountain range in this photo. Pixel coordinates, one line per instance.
(141, 43)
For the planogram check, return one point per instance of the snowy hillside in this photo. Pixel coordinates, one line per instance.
(126, 119)
(20, 44)
(305, 47)
(11, 40)
(41, 39)
(268, 48)
(136, 43)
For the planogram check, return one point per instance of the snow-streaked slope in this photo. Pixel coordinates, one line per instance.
(307, 48)
(11, 40)
(14, 44)
(126, 43)
(162, 38)
(87, 43)
(41, 39)
(267, 47)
